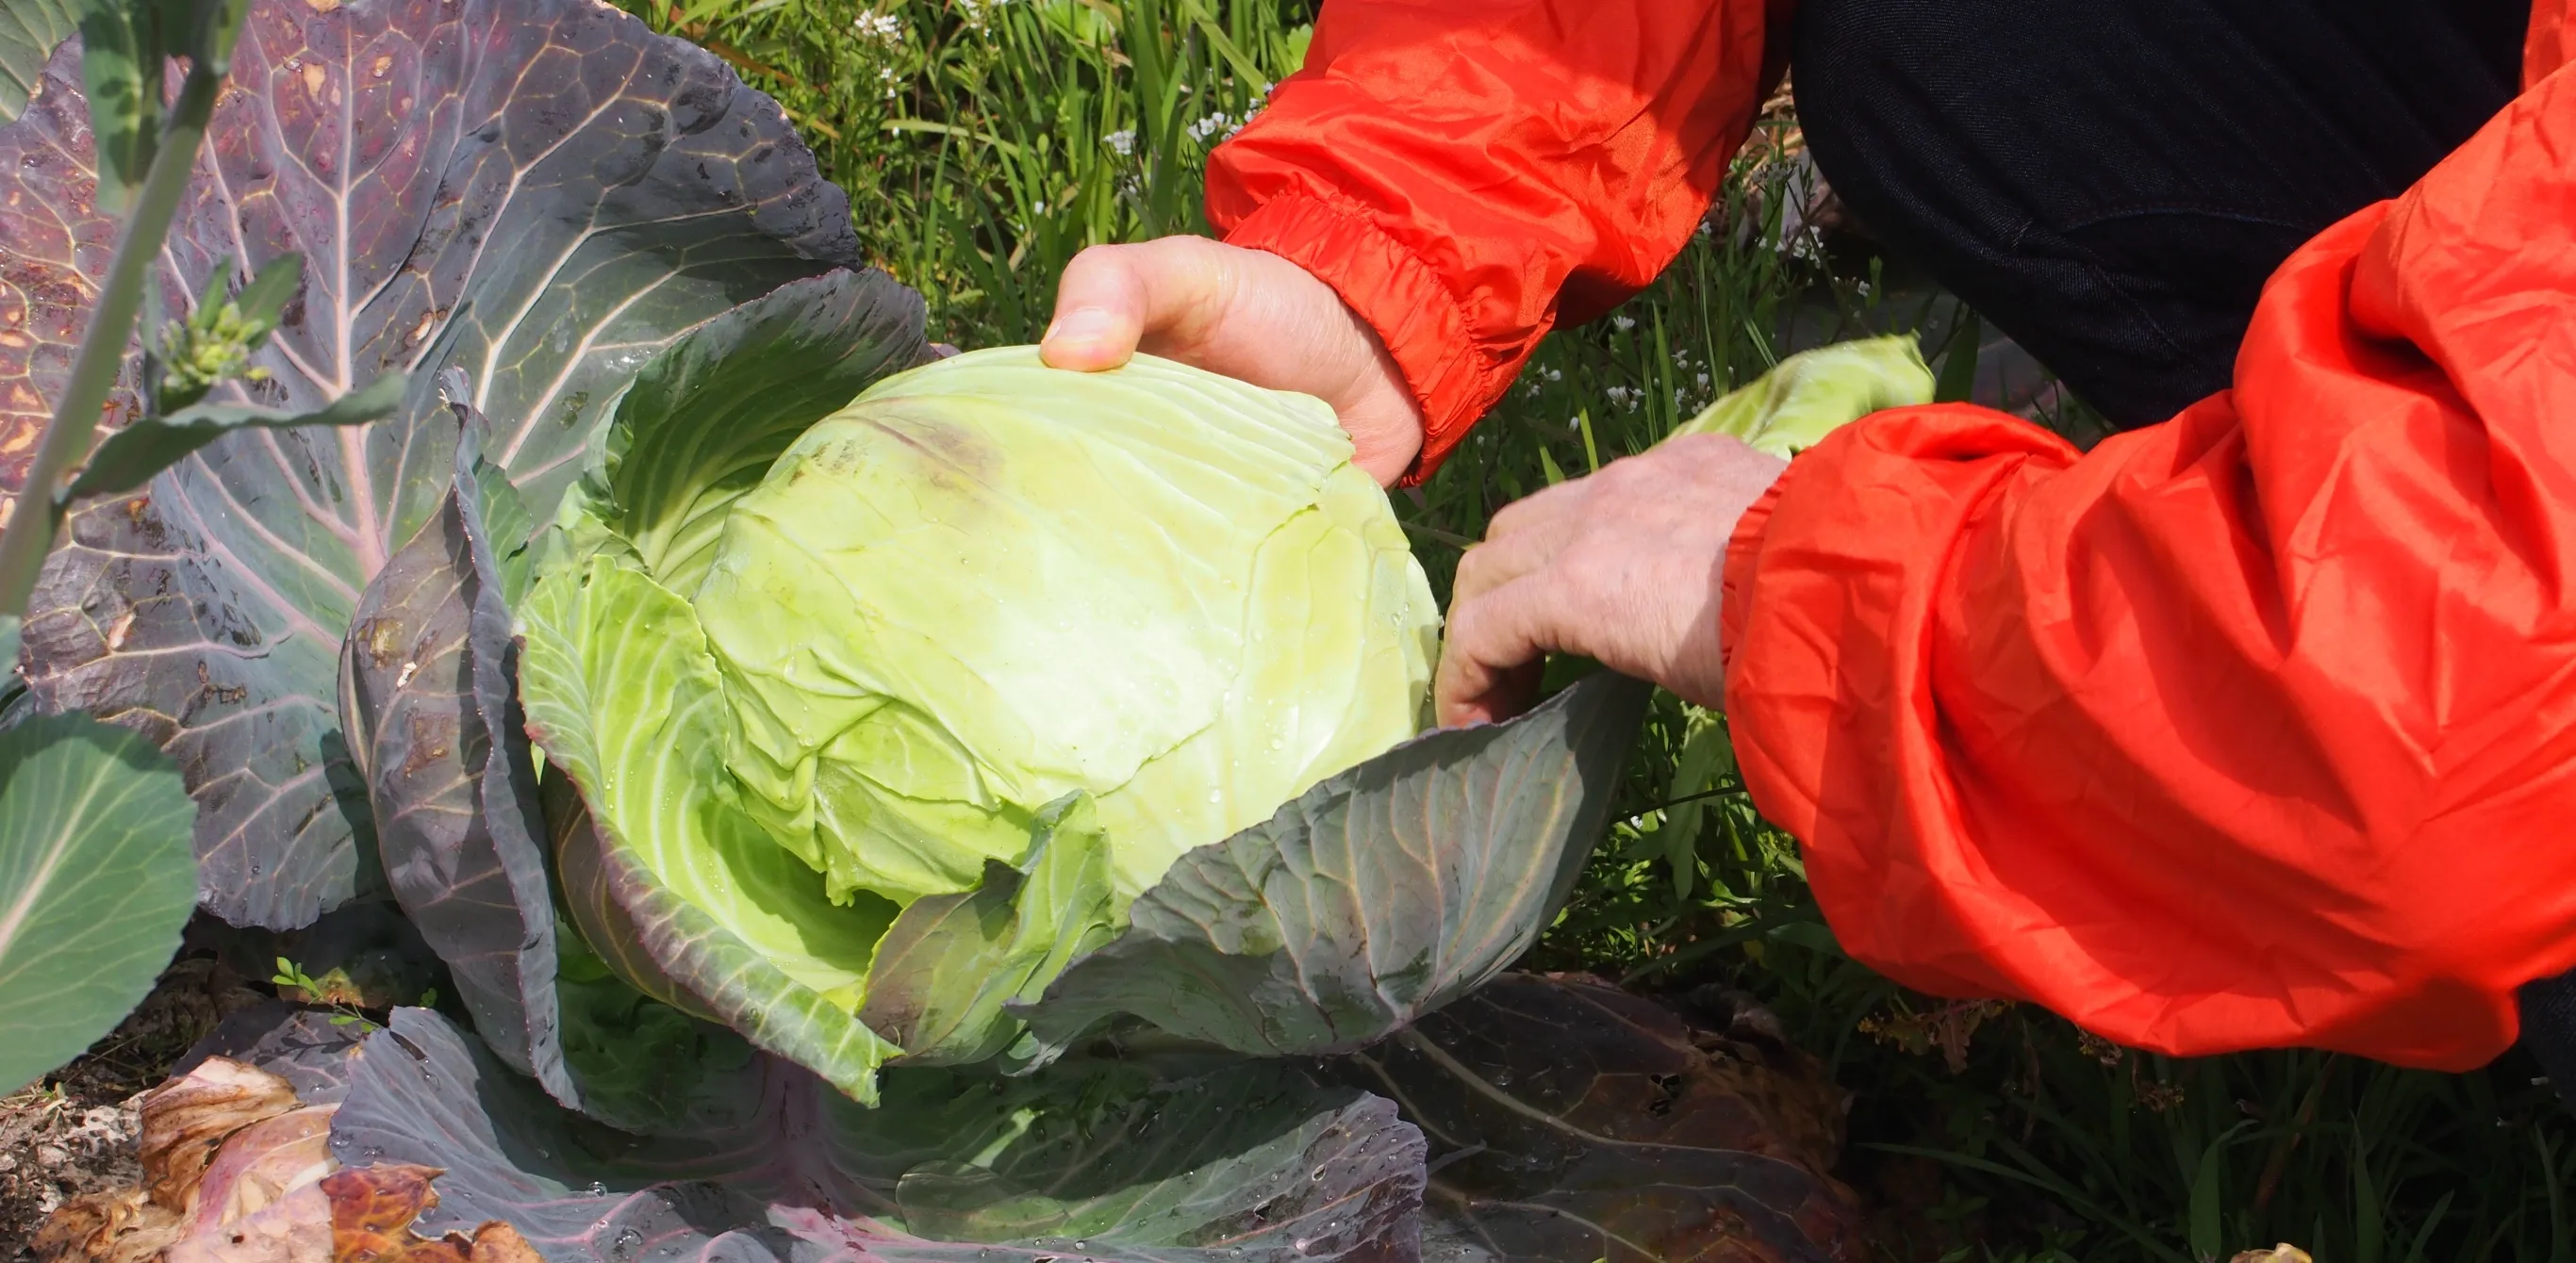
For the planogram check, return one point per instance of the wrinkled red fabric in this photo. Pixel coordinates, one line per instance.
(2253, 728)
(2257, 727)
(2548, 47)
(1469, 173)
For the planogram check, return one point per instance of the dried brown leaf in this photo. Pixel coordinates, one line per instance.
(115, 1226)
(372, 1208)
(262, 1163)
(186, 1121)
(294, 1229)
(358, 1215)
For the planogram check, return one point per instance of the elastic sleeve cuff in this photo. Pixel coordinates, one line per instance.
(1423, 325)
(1743, 555)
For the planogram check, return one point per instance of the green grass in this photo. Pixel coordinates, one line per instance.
(984, 142)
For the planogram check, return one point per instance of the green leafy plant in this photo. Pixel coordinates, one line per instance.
(292, 981)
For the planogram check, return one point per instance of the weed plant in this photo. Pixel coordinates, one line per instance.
(984, 142)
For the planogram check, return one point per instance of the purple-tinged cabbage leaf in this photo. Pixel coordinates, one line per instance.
(1571, 1120)
(1376, 897)
(539, 192)
(1125, 1162)
(429, 700)
(301, 1045)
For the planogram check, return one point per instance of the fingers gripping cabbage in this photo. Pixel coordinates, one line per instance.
(988, 584)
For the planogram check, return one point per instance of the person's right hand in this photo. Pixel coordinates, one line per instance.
(1247, 314)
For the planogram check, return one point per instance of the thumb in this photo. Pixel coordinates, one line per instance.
(1111, 297)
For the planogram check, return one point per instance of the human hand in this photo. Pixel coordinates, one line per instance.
(1248, 314)
(1622, 566)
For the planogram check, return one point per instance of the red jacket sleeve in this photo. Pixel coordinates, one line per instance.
(2549, 45)
(2253, 728)
(1467, 173)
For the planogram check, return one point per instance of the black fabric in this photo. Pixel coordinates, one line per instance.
(2110, 181)
(2549, 1030)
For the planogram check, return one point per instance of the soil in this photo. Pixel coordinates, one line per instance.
(75, 1130)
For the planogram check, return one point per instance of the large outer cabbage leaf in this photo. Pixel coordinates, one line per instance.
(95, 885)
(1128, 1162)
(987, 584)
(1571, 1120)
(429, 698)
(540, 192)
(1378, 896)
(1564, 1119)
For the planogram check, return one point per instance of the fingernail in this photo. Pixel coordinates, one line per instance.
(1082, 324)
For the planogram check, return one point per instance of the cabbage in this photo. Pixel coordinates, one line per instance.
(987, 584)
(886, 714)
(1815, 392)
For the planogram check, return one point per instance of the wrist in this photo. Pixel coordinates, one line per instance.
(1402, 304)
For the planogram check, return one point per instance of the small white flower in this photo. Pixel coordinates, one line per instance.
(1622, 323)
(884, 28)
(1700, 380)
(976, 11)
(1121, 142)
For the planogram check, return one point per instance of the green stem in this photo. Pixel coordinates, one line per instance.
(30, 534)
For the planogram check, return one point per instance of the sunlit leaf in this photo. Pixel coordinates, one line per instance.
(29, 30)
(96, 881)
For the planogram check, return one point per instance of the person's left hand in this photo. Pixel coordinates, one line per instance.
(1622, 566)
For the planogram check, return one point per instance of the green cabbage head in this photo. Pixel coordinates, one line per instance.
(987, 584)
(884, 718)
